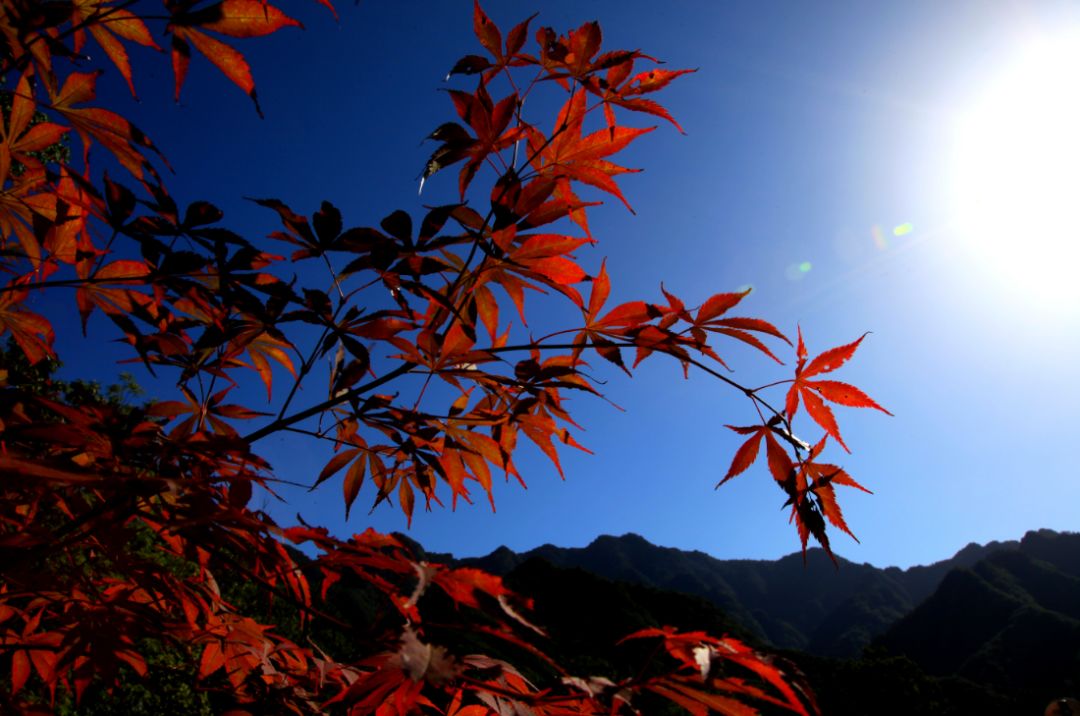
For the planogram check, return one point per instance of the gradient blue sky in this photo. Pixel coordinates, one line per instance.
(813, 130)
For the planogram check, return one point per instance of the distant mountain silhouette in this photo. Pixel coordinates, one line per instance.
(1010, 622)
(838, 611)
(992, 631)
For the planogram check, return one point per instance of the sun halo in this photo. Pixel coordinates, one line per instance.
(1016, 177)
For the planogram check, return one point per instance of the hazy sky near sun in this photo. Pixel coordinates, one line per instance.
(832, 161)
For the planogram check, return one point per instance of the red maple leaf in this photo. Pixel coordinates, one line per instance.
(233, 18)
(814, 393)
(568, 155)
(107, 23)
(33, 333)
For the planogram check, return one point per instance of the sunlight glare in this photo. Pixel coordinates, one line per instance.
(1016, 177)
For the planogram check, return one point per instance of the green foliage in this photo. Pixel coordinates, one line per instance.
(166, 690)
(1010, 624)
(55, 154)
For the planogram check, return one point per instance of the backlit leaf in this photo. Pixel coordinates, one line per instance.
(245, 18)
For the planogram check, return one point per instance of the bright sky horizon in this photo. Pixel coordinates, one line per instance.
(908, 169)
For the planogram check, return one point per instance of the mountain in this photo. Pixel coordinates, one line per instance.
(1010, 622)
(994, 630)
(838, 611)
(585, 616)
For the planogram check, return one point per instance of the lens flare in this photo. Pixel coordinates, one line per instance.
(878, 235)
(796, 272)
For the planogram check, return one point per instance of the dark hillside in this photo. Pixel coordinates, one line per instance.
(839, 611)
(1010, 623)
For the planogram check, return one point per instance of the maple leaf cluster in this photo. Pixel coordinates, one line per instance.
(428, 388)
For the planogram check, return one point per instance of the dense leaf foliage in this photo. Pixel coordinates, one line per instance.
(117, 522)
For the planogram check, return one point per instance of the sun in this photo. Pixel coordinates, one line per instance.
(1016, 176)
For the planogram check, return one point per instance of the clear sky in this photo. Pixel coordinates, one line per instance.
(918, 158)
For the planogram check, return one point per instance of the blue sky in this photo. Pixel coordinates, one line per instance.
(814, 131)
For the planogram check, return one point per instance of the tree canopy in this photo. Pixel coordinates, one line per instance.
(125, 527)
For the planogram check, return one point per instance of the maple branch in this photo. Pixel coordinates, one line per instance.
(77, 282)
(571, 346)
(788, 433)
(773, 384)
(314, 410)
(491, 213)
(307, 364)
(105, 251)
(75, 27)
(751, 393)
(291, 483)
(334, 276)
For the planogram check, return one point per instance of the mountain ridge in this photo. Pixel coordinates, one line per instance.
(993, 630)
(841, 610)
